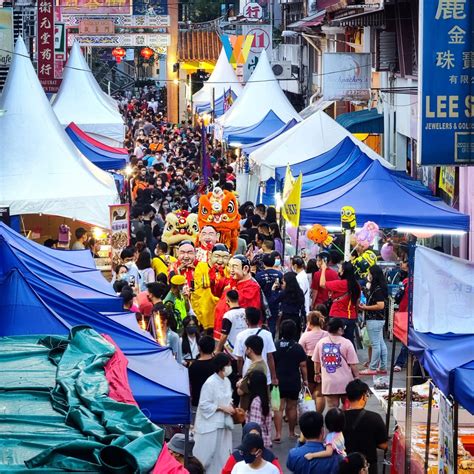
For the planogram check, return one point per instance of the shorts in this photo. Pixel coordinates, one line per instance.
(289, 394)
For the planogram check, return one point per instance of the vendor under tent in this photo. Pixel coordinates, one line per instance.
(380, 197)
(159, 384)
(261, 95)
(213, 93)
(80, 100)
(103, 156)
(41, 171)
(83, 283)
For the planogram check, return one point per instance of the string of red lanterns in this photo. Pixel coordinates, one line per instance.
(118, 54)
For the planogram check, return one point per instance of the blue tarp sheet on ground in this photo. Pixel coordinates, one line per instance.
(379, 196)
(267, 126)
(29, 305)
(105, 160)
(448, 358)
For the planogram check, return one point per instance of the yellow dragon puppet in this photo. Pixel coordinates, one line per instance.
(219, 209)
(179, 226)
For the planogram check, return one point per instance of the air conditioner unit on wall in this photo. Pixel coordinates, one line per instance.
(282, 69)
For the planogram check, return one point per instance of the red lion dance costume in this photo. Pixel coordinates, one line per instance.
(219, 209)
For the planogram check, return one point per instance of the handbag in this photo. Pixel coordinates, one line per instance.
(305, 401)
(239, 416)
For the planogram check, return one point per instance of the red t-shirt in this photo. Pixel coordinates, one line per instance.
(342, 306)
(323, 293)
(403, 306)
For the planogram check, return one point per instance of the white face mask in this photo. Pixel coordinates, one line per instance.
(277, 262)
(227, 370)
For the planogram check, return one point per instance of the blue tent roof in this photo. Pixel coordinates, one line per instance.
(378, 196)
(29, 305)
(267, 126)
(448, 358)
(218, 105)
(105, 160)
(250, 148)
(81, 282)
(362, 121)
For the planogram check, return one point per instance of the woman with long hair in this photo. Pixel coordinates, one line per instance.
(290, 298)
(374, 309)
(271, 215)
(276, 235)
(259, 408)
(190, 340)
(145, 271)
(345, 294)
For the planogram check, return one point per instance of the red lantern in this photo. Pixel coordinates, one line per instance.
(118, 54)
(146, 53)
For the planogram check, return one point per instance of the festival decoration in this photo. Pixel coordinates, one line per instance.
(348, 218)
(319, 235)
(363, 262)
(220, 210)
(118, 54)
(365, 237)
(146, 53)
(387, 252)
(179, 226)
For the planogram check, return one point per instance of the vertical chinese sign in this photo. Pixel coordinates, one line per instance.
(120, 234)
(447, 82)
(46, 32)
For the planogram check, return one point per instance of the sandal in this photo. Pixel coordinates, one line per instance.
(276, 440)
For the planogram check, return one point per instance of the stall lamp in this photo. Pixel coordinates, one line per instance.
(427, 230)
(98, 233)
(128, 170)
(175, 82)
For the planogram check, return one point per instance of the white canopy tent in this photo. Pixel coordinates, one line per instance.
(221, 80)
(41, 171)
(81, 100)
(261, 95)
(310, 138)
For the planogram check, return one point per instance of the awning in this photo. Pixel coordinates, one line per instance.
(362, 121)
(309, 21)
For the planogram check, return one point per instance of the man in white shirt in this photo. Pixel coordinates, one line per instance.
(233, 323)
(303, 281)
(253, 316)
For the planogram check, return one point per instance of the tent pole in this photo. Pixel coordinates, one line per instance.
(390, 392)
(428, 426)
(455, 435)
(408, 413)
(284, 243)
(186, 445)
(297, 239)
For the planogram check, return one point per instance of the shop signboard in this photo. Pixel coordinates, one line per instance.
(447, 181)
(262, 39)
(346, 76)
(96, 27)
(120, 230)
(252, 10)
(122, 40)
(446, 135)
(96, 7)
(446, 461)
(122, 21)
(6, 36)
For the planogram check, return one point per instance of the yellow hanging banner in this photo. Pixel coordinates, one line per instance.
(292, 204)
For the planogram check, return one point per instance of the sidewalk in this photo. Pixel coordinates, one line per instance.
(281, 450)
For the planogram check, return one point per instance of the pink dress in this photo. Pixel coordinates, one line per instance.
(335, 354)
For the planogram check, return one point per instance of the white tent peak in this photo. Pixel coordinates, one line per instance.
(222, 79)
(81, 100)
(41, 171)
(261, 95)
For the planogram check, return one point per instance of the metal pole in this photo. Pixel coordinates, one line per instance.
(390, 392)
(408, 413)
(428, 426)
(455, 435)
(186, 445)
(297, 239)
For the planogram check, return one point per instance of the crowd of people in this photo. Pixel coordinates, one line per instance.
(257, 328)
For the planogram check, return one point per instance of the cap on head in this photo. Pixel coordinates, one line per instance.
(178, 280)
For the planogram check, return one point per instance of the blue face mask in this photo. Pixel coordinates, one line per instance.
(277, 262)
(249, 458)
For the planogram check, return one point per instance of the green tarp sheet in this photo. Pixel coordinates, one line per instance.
(55, 413)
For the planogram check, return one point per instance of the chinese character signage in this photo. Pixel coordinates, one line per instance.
(120, 235)
(126, 40)
(346, 76)
(46, 35)
(252, 10)
(96, 7)
(447, 82)
(6, 36)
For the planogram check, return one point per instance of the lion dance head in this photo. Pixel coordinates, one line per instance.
(180, 226)
(219, 209)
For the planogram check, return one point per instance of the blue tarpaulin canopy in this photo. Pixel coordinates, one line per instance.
(219, 104)
(247, 135)
(255, 146)
(448, 358)
(362, 121)
(29, 305)
(379, 196)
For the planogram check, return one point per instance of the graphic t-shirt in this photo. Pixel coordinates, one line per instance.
(335, 354)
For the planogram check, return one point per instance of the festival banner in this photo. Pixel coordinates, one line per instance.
(446, 99)
(122, 40)
(346, 76)
(120, 234)
(96, 7)
(122, 21)
(292, 205)
(6, 36)
(46, 44)
(443, 293)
